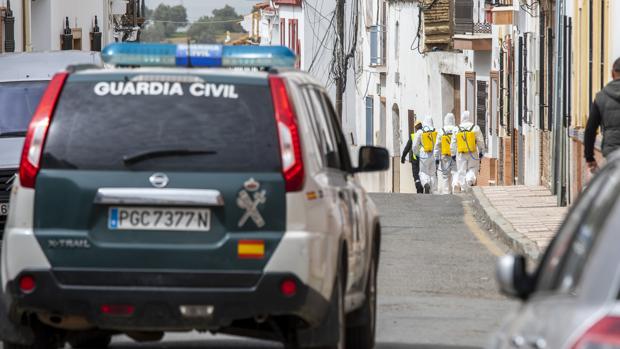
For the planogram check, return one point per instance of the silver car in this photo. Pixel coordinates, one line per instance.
(571, 300)
(23, 78)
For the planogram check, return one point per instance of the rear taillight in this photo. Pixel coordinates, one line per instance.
(288, 131)
(118, 310)
(604, 334)
(37, 131)
(27, 284)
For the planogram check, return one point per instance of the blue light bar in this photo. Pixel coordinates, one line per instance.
(171, 55)
(258, 56)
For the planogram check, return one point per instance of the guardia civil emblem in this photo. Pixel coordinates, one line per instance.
(249, 199)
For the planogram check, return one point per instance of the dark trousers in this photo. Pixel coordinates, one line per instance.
(415, 167)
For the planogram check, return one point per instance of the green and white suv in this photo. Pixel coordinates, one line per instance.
(163, 198)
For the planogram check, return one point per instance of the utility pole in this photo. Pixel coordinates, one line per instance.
(340, 57)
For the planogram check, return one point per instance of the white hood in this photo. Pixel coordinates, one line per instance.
(466, 118)
(448, 120)
(428, 123)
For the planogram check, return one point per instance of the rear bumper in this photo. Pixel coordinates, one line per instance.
(158, 307)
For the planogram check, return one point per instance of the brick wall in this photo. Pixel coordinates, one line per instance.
(507, 161)
(579, 172)
(488, 172)
(438, 26)
(545, 159)
(518, 154)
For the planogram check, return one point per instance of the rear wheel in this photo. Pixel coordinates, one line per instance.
(338, 301)
(337, 318)
(41, 341)
(44, 338)
(361, 333)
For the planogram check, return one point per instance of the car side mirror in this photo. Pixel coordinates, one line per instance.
(512, 277)
(373, 159)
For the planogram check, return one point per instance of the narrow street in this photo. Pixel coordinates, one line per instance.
(437, 287)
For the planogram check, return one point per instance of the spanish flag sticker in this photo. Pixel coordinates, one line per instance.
(251, 249)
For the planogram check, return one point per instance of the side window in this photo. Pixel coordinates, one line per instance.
(341, 142)
(551, 265)
(329, 145)
(314, 125)
(587, 234)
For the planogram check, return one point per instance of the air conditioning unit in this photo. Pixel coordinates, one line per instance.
(119, 7)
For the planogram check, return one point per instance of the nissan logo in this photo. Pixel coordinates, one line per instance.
(159, 180)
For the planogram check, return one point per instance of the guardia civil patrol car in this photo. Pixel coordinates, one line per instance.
(174, 192)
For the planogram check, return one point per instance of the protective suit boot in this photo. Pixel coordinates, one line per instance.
(427, 188)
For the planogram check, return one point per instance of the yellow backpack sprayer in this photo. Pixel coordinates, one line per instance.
(429, 137)
(446, 141)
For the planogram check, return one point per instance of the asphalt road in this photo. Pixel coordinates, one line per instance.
(436, 285)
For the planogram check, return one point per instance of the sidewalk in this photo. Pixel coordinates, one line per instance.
(525, 218)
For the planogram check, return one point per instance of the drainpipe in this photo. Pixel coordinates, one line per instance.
(27, 12)
(558, 129)
(105, 21)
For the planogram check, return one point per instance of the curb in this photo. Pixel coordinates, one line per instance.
(491, 219)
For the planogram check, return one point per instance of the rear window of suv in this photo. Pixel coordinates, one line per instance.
(18, 101)
(158, 125)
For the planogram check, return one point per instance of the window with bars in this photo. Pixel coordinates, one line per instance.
(283, 32)
(481, 106)
(463, 16)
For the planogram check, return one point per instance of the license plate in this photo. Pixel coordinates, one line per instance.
(4, 209)
(154, 218)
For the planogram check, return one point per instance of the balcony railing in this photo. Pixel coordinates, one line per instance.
(482, 28)
(377, 46)
(500, 2)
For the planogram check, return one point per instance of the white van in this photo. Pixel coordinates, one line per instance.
(23, 78)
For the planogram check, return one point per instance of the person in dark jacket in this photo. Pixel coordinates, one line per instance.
(604, 113)
(415, 160)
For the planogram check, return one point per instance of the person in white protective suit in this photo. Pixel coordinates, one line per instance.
(447, 177)
(424, 146)
(469, 148)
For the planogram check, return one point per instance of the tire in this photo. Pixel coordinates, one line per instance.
(91, 341)
(41, 342)
(361, 335)
(338, 301)
(45, 337)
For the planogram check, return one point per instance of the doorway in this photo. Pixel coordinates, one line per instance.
(451, 92)
(396, 133)
(396, 140)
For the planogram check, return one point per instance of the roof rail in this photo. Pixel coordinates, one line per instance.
(74, 68)
(280, 70)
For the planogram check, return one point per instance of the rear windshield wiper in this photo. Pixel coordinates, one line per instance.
(152, 154)
(13, 134)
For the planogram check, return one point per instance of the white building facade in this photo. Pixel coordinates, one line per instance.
(402, 81)
(40, 25)
(308, 27)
